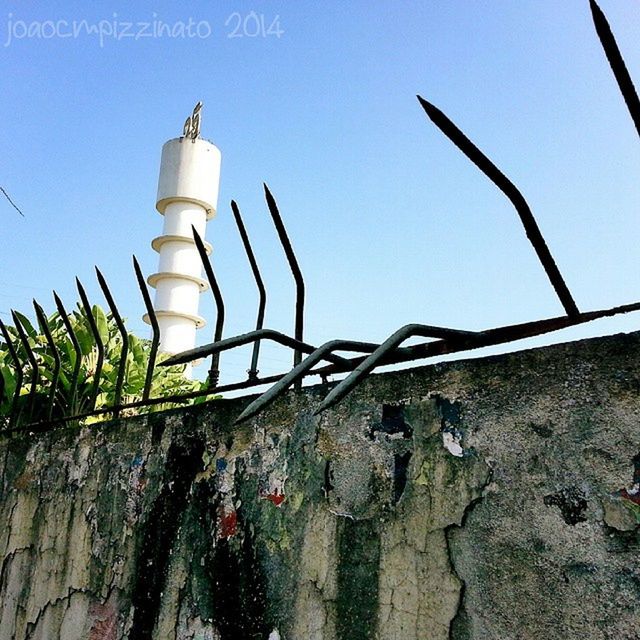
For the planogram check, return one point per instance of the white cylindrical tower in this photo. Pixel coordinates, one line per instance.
(187, 195)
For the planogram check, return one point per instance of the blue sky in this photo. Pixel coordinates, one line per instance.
(390, 222)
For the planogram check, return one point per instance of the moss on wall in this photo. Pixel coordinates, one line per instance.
(486, 499)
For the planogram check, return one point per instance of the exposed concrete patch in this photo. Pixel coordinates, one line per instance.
(419, 588)
(619, 514)
(317, 589)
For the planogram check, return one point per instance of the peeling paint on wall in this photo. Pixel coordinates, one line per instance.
(462, 501)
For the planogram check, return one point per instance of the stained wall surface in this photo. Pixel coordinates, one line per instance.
(487, 499)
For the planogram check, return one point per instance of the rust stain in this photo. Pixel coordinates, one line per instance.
(106, 622)
(633, 496)
(228, 523)
(276, 497)
(24, 481)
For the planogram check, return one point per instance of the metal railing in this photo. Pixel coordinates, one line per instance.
(31, 370)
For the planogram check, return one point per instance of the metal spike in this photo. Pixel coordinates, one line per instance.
(262, 302)
(122, 365)
(2, 388)
(44, 326)
(93, 396)
(155, 327)
(35, 374)
(295, 270)
(214, 370)
(616, 61)
(238, 341)
(14, 413)
(73, 388)
(511, 191)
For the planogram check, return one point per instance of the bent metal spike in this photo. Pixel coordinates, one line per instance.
(322, 361)
(511, 191)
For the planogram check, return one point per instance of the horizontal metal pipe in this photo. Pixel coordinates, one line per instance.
(238, 341)
(476, 340)
(489, 337)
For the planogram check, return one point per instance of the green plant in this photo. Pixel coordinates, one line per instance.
(75, 401)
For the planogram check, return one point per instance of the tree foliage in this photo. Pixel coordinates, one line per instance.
(166, 380)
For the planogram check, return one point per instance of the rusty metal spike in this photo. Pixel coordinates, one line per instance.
(122, 365)
(93, 396)
(295, 270)
(262, 292)
(35, 374)
(44, 325)
(511, 191)
(299, 371)
(155, 328)
(388, 346)
(214, 370)
(14, 414)
(73, 388)
(616, 61)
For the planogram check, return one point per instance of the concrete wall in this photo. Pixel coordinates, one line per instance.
(484, 499)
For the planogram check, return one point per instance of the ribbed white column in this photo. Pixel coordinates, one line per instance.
(187, 195)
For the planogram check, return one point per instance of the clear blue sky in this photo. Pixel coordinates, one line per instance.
(390, 222)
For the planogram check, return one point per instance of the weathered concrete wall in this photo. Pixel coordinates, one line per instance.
(487, 499)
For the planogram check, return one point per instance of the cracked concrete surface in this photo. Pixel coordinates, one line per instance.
(487, 499)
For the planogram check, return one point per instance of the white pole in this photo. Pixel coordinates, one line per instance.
(187, 195)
